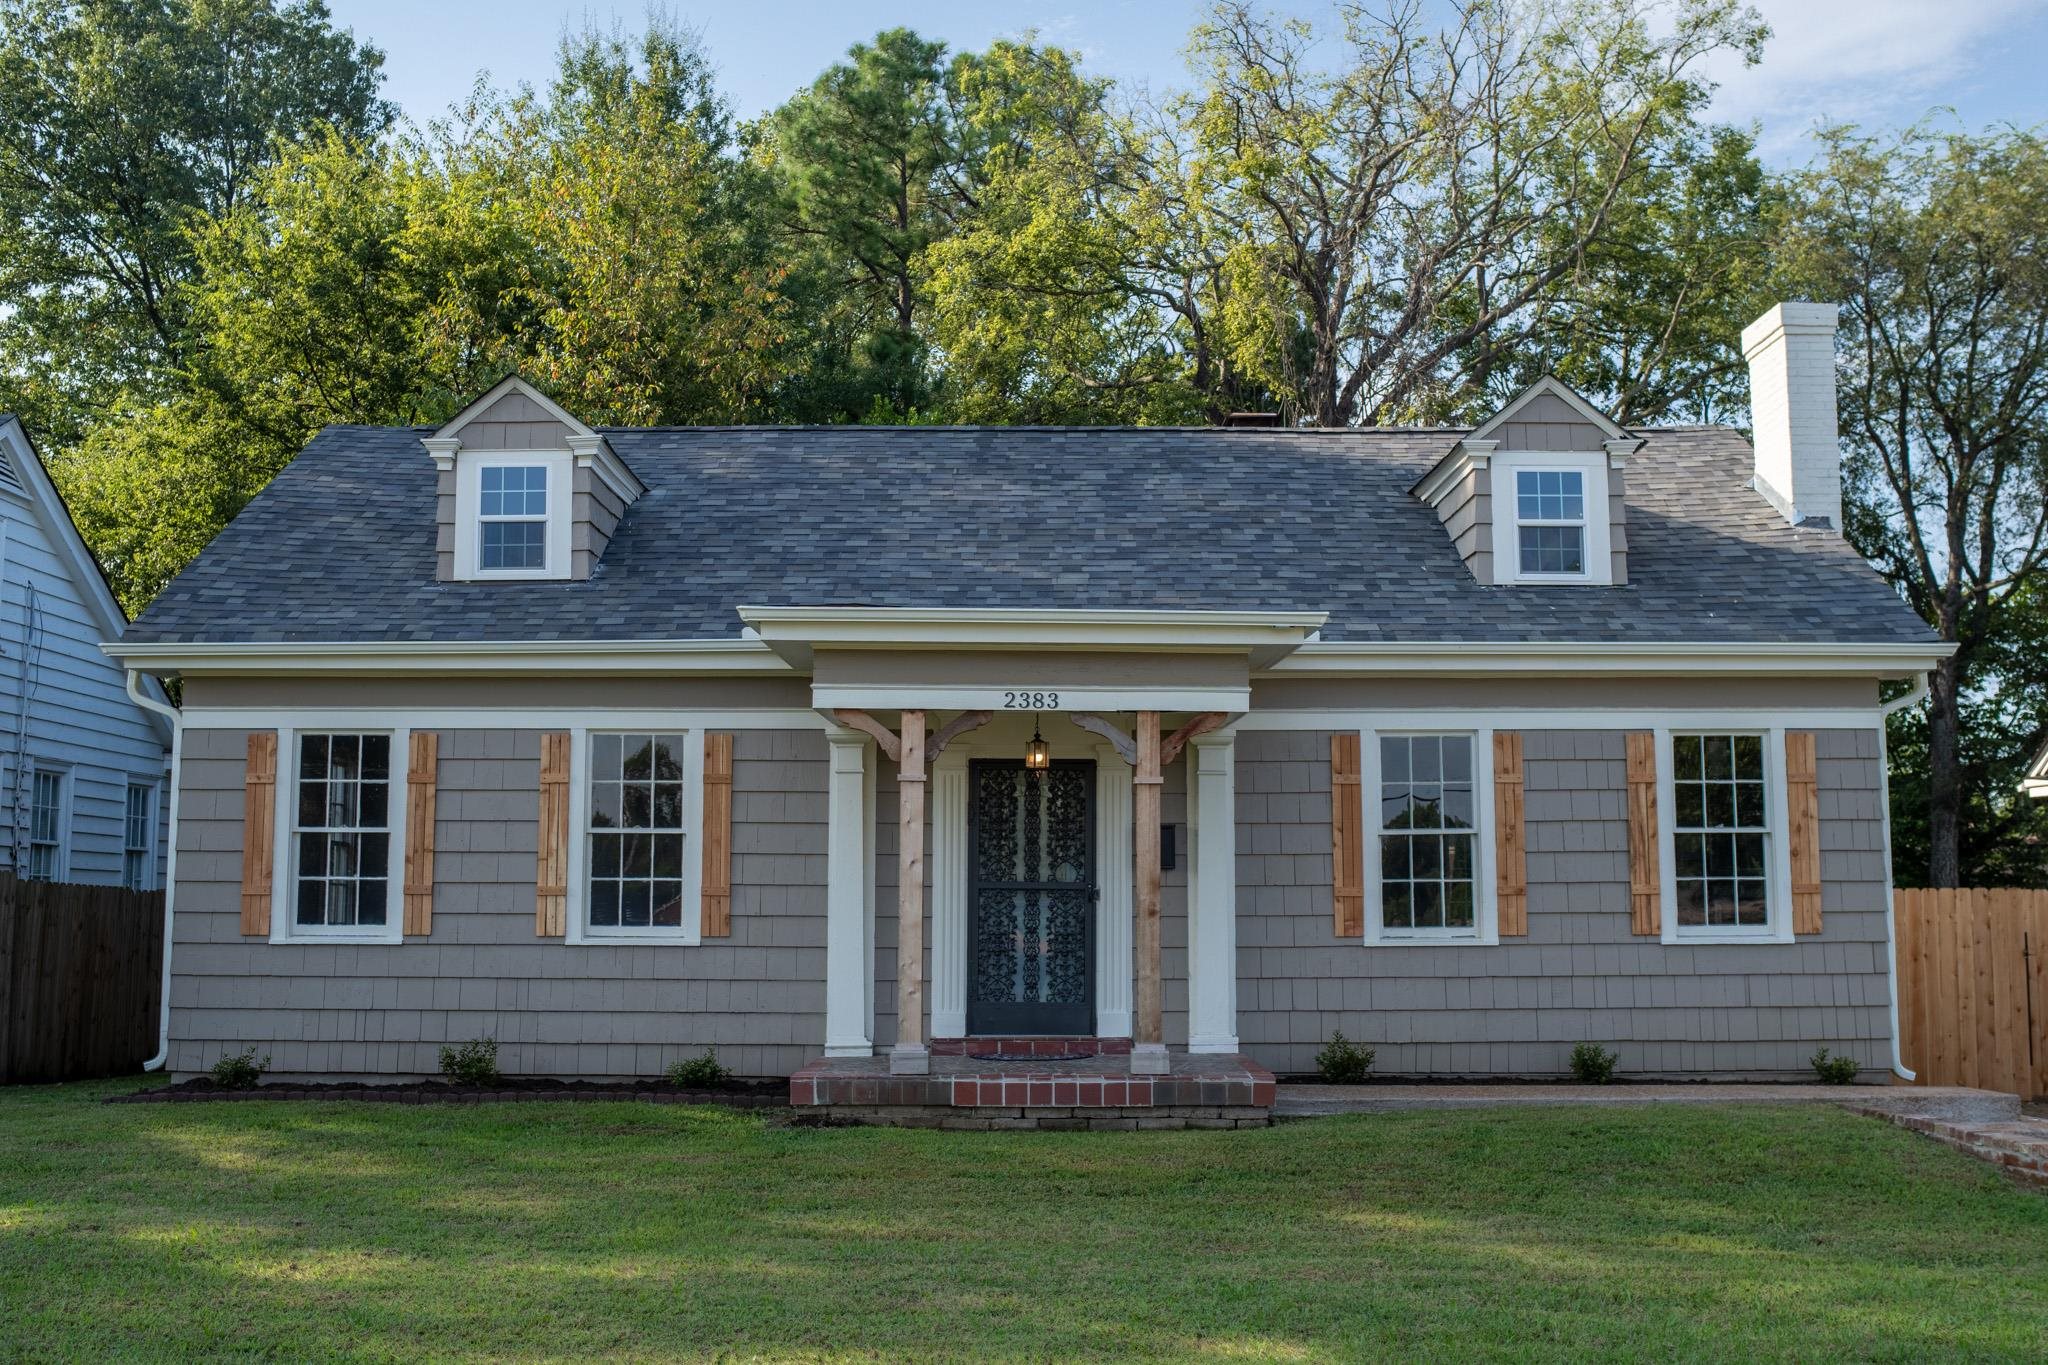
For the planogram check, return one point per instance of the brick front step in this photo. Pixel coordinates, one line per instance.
(2019, 1147)
(1223, 1091)
(1031, 1047)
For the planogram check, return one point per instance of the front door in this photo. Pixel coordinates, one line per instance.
(1030, 898)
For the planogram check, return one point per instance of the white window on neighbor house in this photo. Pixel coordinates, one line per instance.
(47, 819)
(341, 833)
(1427, 826)
(1721, 833)
(634, 836)
(1550, 522)
(138, 842)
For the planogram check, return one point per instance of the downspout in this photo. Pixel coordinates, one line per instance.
(170, 713)
(1914, 695)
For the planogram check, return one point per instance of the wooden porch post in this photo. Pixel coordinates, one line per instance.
(909, 1057)
(1148, 1041)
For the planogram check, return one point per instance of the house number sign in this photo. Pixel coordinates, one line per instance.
(1031, 701)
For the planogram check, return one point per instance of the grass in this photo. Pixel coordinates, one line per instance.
(314, 1230)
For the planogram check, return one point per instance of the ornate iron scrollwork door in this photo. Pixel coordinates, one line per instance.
(1031, 898)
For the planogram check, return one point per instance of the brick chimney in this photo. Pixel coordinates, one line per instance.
(1791, 355)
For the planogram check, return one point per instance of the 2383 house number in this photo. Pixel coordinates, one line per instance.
(1031, 701)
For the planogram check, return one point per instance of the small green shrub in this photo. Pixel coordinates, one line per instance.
(1593, 1064)
(1834, 1070)
(1344, 1062)
(473, 1063)
(700, 1073)
(239, 1070)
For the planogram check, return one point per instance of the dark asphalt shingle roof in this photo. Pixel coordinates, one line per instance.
(341, 545)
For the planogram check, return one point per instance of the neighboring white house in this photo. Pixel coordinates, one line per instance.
(82, 766)
(2035, 783)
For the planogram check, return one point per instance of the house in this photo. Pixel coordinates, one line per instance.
(2035, 782)
(84, 762)
(888, 758)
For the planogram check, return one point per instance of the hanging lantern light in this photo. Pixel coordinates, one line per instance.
(1037, 754)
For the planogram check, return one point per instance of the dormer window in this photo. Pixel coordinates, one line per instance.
(1550, 521)
(513, 529)
(512, 515)
(526, 490)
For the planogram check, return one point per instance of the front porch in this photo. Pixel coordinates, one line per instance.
(970, 1088)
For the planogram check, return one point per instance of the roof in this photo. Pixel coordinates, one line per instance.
(341, 545)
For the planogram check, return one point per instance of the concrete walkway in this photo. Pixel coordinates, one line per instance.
(1946, 1103)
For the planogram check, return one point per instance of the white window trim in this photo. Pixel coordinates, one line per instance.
(149, 835)
(1777, 852)
(1507, 544)
(1485, 930)
(469, 467)
(690, 932)
(284, 863)
(60, 869)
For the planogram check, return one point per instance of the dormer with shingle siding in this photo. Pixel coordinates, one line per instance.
(524, 490)
(1537, 493)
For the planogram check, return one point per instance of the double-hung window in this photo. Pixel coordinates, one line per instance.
(634, 840)
(1550, 521)
(1721, 833)
(1427, 825)
(136, 835)
(341, 833)
(46, 825)
(512, 517)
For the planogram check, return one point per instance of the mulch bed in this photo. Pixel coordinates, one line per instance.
(746, 1094)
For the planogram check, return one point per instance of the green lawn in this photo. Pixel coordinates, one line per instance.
(298, 1230)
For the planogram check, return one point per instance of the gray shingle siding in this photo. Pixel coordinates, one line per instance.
(1579, 975)
(758, 996)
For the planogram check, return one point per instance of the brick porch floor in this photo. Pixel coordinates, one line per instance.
(968, 1091)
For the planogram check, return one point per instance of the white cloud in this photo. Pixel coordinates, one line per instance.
(1858, 61)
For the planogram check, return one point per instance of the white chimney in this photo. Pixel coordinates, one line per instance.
(1791, 355)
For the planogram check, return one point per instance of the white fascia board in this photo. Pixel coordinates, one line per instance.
(1036, 698)
(424, 658)
(509, 384)
(1551, 384)
(1030, 628)
(1458, 658)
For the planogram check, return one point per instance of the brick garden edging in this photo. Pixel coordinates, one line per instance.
(2018, 1146)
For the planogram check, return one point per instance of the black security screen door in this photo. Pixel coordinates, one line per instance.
(1031, 899)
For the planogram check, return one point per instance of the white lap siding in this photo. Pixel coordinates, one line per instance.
(1579, 975)
(555, 1008)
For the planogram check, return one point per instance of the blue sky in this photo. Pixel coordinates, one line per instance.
(1876, 62)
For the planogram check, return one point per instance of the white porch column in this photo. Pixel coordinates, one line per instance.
(849, 941)
(1212, 907)
(949, 895)
(1114, 868)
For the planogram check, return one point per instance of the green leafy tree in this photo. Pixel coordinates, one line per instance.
(871, 177)
(121, 123)
(1936, 243)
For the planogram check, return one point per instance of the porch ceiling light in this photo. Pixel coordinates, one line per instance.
(1037, 754)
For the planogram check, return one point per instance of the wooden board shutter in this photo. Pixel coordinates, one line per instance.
(715, 896)
(1347, 838)
(551, 899)
(421, 774)
(1802, 828)
(1644, 884)
(1512, 871)
(259, 831)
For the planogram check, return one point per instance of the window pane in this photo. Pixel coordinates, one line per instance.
(345, 756)
(1692, 903)
(1394, 758)
(1553, 549)
(512, 545)
(312, 756)
(376, 757)
(1457, 808)
(1397, 911)
(635, 855)
(1749, 757)
(1718, 751)
(604, 855)
(1691, 801)
(668, 855)
(633, 905)
(606, 753)
(1393, 807)
(514, 490)
(604, 904)
(639, 757)
(1691, 850)
(1429, 905)
(1427, 852)
(370, 900)
(1751, 906)
(1428, 754)
(1457, 758)
(1393, 858)
(1685, 756)
(1425, 807)
(637, 806)
(375, 851)
(1458, 905)
(373, 799)
(1749, 804)
(1720, 901)
(668, 905)
(312, 901)
(1457, 857)
(668, 805)
(1720, 805)
(1749, 855)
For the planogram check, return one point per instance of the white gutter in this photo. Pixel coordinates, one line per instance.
(428, 658)
(170, 713)
(1454, 658)
(1915, 694)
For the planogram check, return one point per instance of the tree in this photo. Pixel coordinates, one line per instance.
(1377, 219)
(1937, 245)
(121, 123)
(870, 171)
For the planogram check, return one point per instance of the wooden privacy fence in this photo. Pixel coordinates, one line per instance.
(1973, 987)
(81, 967)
